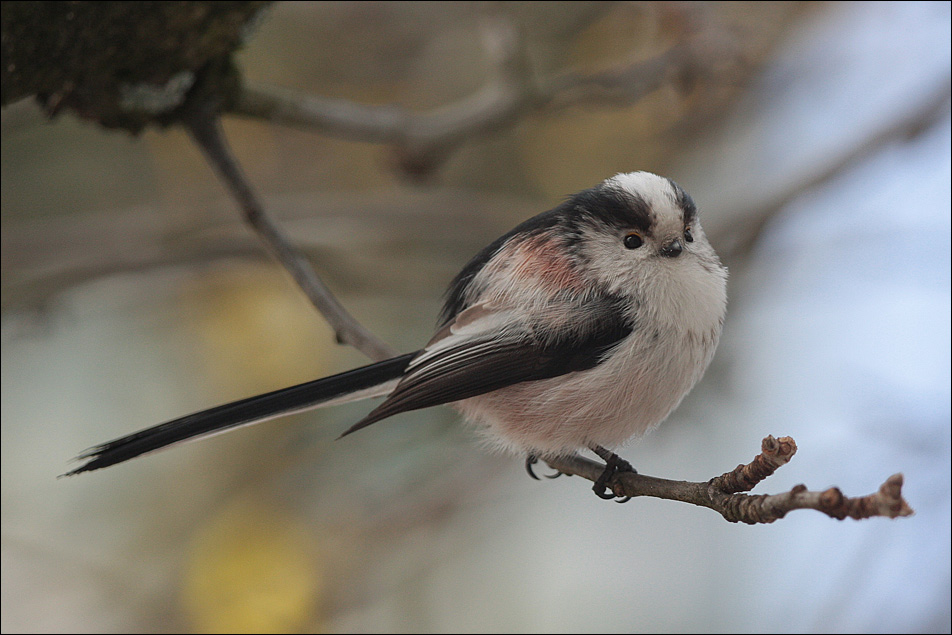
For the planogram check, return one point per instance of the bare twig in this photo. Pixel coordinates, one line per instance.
(722, 493)
(741, 237)
(203, 123)
(423, 141)
(774, 453)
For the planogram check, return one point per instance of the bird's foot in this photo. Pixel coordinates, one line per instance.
(614, 464)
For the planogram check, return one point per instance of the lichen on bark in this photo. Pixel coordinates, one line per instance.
(122, 64)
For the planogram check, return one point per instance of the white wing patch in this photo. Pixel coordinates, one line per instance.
(478, 320)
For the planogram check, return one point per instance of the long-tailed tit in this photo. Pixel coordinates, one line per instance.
(581, 328)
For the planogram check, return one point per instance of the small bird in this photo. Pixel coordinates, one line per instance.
(581, 328)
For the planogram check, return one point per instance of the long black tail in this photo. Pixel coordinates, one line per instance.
(245, 412)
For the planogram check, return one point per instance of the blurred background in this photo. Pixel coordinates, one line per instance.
(816, 143)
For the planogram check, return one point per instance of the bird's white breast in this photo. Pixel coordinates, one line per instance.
(677, 327)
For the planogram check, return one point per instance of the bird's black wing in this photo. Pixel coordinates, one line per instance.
(476, 364)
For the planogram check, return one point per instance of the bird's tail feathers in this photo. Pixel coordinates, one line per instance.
(374, 380)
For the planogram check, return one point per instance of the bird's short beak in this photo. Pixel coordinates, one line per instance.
(672, 249)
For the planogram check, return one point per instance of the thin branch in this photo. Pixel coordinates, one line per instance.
(204, 125)
(774, 453)
(741, 237)
(723, 493)
(422, 141)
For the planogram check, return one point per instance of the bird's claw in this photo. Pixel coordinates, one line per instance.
(614, 464)
(531, 460)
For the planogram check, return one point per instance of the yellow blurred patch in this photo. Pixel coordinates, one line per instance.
(251, 568)
(255, 330)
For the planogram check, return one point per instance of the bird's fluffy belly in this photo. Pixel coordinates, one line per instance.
(623, 397)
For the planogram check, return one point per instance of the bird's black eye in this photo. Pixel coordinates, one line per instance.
(633, 241)
(688, 235)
